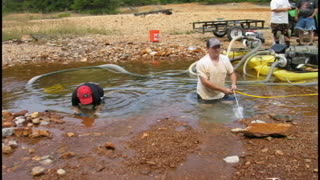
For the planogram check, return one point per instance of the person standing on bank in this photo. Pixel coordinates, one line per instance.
(280, 19)
(307, 10)
(87, 96)
(212, 70)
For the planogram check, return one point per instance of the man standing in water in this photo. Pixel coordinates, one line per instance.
(88, 96)
(212, 70)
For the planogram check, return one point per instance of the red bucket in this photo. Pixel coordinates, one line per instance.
(154, 35)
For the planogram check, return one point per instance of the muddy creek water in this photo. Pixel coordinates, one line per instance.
(133, 103)
(167, 91)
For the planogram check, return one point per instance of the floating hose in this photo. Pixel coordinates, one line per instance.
(111, 67)
(256, 96)
(231, 42)
(191, 69)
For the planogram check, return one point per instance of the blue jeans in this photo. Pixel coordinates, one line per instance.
(225, 98)
(306, 24)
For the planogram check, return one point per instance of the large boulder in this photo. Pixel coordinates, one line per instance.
(265, 129)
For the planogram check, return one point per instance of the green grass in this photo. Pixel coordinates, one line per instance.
(65, 28)
(181, 32)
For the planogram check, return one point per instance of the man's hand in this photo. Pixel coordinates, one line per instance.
(233, 87)
(76, 110)
(228, 91)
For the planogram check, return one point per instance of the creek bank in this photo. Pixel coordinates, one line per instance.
(92, 49)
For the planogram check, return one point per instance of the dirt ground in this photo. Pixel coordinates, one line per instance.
(162, 150)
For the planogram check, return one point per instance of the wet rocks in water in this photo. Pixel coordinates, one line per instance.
(281, 117)
(37, 171)
(57, 121)
(266, 129)
(40, 133)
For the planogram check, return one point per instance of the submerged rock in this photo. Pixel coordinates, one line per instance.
(281, 117)
(40, 133)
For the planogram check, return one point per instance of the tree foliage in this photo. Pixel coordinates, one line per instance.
(95, 6)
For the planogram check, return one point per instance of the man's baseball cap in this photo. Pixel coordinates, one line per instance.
(213, 42)
(84, 93)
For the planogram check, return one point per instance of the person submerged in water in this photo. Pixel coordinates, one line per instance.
(87, 97)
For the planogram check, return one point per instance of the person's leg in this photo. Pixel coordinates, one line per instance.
(311, 36)
(285, 32)
(205, 101)
(274, 29)
(301, 35)
(310, 27)
(300, 27)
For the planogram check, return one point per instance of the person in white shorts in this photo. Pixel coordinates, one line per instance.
(212, 70)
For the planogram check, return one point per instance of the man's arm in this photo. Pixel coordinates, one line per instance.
(233, 78)
(281, 9)
(315, 12)
(213, 86)
(76, 109)
(98, 108)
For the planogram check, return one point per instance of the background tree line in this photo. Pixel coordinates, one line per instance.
(92, 6)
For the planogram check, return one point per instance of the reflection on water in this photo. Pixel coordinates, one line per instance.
(166, 93)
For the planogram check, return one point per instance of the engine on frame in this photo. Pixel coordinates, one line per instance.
(297, 58)
(252, 44)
